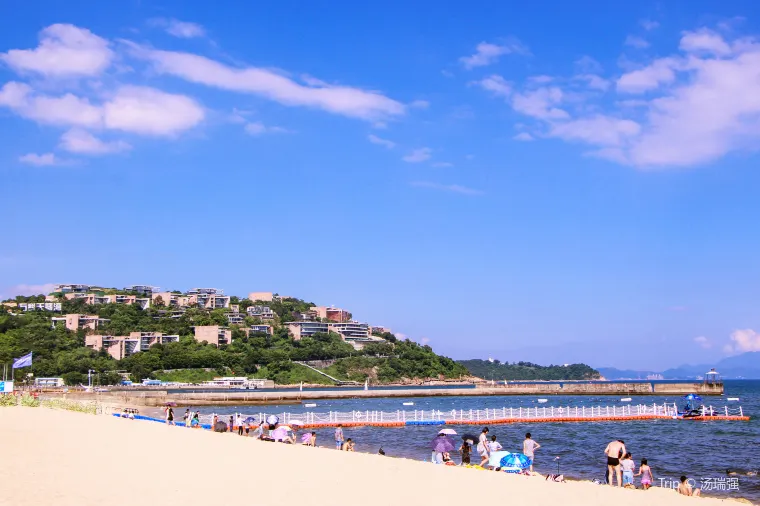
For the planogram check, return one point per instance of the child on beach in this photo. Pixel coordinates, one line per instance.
(493, 445)
(627, 465)
(339, 437)
(465, 450)
(349, 446)
(646, 474)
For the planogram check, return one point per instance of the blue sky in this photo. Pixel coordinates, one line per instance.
(557, 182)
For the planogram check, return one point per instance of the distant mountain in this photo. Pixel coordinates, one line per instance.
(746, 366)
(495, 370)
(612, 373)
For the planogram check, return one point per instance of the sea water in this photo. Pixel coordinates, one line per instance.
(706, 451)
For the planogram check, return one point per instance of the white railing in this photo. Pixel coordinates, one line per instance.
(480, 415)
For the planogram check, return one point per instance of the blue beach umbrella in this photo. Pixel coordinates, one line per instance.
(495, 458)
(514, 463)
(249, 420)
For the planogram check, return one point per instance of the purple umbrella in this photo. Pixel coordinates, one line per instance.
(442, 444)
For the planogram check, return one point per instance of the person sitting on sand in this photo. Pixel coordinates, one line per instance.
(446, 457)
(381, 452)
(614, 451)
(646, 474)
(465, 451)
(685, 488)
(349, 446)
(312, 440)
(483, 447)
(627, 466)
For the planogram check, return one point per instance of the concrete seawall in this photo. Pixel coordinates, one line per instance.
(253, 397)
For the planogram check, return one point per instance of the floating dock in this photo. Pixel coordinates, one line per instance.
(543, 414)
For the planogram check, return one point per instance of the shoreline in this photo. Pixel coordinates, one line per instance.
(55, 450)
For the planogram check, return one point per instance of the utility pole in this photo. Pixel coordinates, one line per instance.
(89, 377)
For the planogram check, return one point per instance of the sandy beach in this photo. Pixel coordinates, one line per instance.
(61, 458)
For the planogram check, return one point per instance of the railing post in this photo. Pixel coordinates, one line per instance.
(520, 412)
(552, 410)
(415, 415)
(503, 412)
(583, 410)
(510, 413)
(726, 410)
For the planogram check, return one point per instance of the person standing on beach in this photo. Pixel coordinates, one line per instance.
(529, 449)
(169, 416)
(232, 423)
(483, 447)
(646, 474)
(614, 451)
(187, 417)
(239, 422)
(339, 437)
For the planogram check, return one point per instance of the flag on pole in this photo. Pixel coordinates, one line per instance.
(24, 361)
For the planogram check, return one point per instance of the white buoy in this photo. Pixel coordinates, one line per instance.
(310, 405)
(543, 400)
(626, 399)
(408, 403)
(733, 398)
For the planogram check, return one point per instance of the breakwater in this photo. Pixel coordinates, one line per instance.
(156, 397)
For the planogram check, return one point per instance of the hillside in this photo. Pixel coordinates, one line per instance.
(59, 352)
(527, 371)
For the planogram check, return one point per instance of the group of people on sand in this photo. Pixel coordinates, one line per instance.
(621, 466)
(487, 445)
(189, 419)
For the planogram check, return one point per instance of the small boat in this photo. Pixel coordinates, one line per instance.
(408, 403)
(626, 399)
(543, 400)
(733, 398)
(310, 405)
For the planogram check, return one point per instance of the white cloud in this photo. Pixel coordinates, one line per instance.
(27, 290)
(442, 164)
(374, 139)
(541, 79)
(451, 188)
(523, 136)
(81, 141)
(343, 100)
(703, 342)
(743, 341)
(587, 65)
(148, 111)
(43, 160)
(134, 109)
(597, 130)
(649, 24)
(540, 103)
(594, 81)
(637, 42)
(258, 128)
(420, 104)
(64, 51)
(487, 53)
(704, 41)
(64, 110)
(496, 85)
(418, 155)
(659, 72)
(177, 28)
